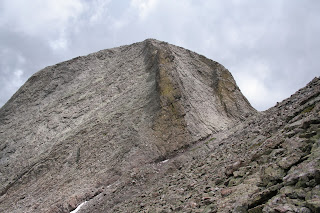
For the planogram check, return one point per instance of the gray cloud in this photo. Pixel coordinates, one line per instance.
(271, 47)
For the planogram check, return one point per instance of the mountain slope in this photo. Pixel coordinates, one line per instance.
(79, 126)
(268, 163)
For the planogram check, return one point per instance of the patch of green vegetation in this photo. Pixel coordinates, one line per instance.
(305, 110)
(257, 209)
(211, 139)
(234, 182)
(78, 155)
(194, 149)
(256, 145)
(316, 137)
(208, 141)
(308, 109)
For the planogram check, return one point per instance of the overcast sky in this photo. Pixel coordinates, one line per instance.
(271, 47)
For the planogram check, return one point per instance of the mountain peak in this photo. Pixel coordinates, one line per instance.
(80, 127)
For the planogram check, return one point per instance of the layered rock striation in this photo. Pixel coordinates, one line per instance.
(152, 127)
(268, 163)
(77, 128)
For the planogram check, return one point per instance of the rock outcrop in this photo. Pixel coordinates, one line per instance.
(107, 122)
(268, 163)
(152, 127)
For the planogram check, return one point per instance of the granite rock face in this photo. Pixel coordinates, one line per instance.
(102, 123)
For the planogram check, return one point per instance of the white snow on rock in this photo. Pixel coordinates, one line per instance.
(78, 208)
(165, 161)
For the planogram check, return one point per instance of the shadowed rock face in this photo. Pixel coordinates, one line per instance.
(79, 128)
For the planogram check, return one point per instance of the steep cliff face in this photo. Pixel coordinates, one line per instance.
(77, 127)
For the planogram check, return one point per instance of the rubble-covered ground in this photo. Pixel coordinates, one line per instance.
(269, 163)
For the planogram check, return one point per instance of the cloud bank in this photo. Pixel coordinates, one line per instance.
(272, 48)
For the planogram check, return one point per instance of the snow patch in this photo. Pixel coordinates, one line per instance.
(78, 208)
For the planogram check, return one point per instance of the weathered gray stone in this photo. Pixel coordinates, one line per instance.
(288, 161)
(130, 129)
(271, 173)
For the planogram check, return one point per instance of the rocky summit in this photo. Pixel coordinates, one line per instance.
(152, 127)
